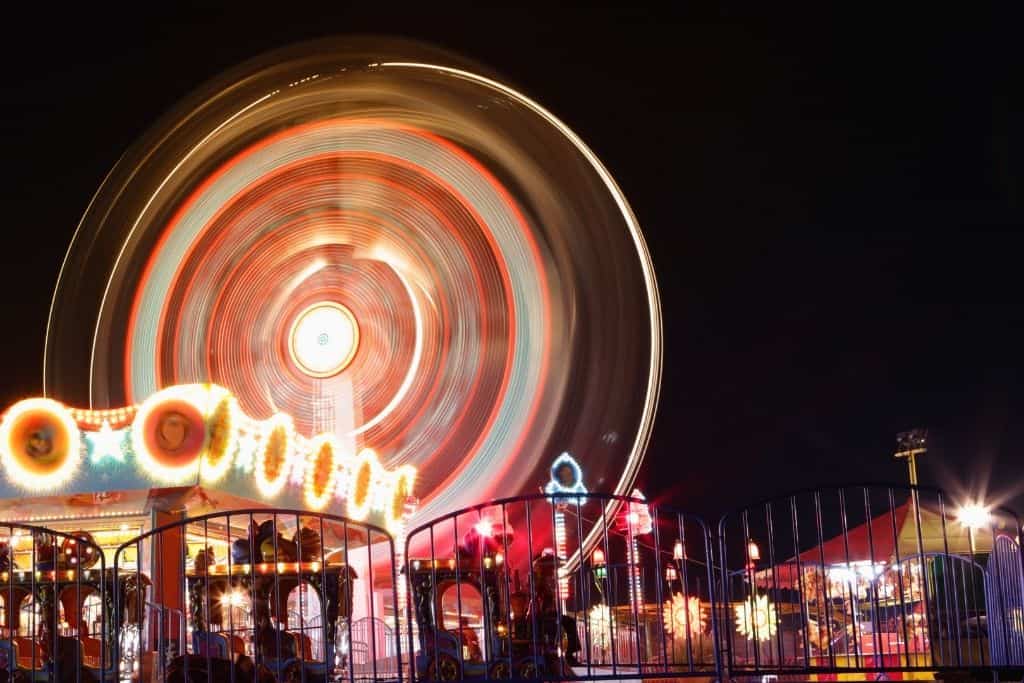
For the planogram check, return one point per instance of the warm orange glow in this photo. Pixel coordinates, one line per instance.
(223, 427)
(321, 472)
(40, 445)
(274, 457)
(360, 497)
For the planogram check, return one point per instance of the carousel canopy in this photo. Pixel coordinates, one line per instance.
(186, 440)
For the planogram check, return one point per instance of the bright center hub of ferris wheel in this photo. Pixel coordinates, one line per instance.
(324, 339)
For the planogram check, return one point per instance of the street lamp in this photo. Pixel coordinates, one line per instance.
(974, 516)
(909, 445)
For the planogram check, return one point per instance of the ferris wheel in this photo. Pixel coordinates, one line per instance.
(386, 243)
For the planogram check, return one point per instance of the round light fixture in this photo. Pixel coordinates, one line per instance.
(324, 339)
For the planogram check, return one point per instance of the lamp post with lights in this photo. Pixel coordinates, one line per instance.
(566, 477)
(910, 445)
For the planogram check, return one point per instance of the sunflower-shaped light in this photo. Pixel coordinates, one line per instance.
(756, 618)
(683, 615)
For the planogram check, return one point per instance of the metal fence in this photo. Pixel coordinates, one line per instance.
(847, 582)
(55, 605)
(561, 586)
(250, 595)
(870, 580)
(373, 649)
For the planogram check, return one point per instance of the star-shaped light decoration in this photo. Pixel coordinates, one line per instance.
(106, 443)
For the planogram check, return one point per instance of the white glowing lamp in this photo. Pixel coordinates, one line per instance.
(974, 516)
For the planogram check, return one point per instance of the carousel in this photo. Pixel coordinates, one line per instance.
(341, 290)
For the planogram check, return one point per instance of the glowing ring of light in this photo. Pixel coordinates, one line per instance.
(275, 452)
(322, 467)
(51, 424)
(402, 482)
(323, 339)
(169, 433)
(223, 439)
(363, 476)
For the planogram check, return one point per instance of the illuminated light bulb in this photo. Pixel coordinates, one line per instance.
(324, 339)
(974, 516)
(678, 552)
(484, 528)
(753, 552)
(597, 559)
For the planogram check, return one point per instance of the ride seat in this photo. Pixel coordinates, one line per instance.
(25, 648)
(210, 644)
(92, 651)
(303, 646)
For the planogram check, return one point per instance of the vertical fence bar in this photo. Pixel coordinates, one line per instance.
(770, 523)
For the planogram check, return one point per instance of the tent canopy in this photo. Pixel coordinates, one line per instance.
(905, 532)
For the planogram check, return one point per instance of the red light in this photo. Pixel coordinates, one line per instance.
(597, 559)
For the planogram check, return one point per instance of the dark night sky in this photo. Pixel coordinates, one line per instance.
(834, 205)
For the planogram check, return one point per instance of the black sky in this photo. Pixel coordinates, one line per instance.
(834, 205)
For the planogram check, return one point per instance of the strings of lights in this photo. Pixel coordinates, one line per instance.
(197, 433)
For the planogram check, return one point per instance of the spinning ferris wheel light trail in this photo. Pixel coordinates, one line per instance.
(387, 244)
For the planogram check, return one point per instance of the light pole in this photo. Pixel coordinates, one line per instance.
(909, 445)
(566, 477)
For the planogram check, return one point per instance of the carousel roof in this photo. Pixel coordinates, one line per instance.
(185, 446)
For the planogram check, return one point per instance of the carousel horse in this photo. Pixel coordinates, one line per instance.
(263, 539)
